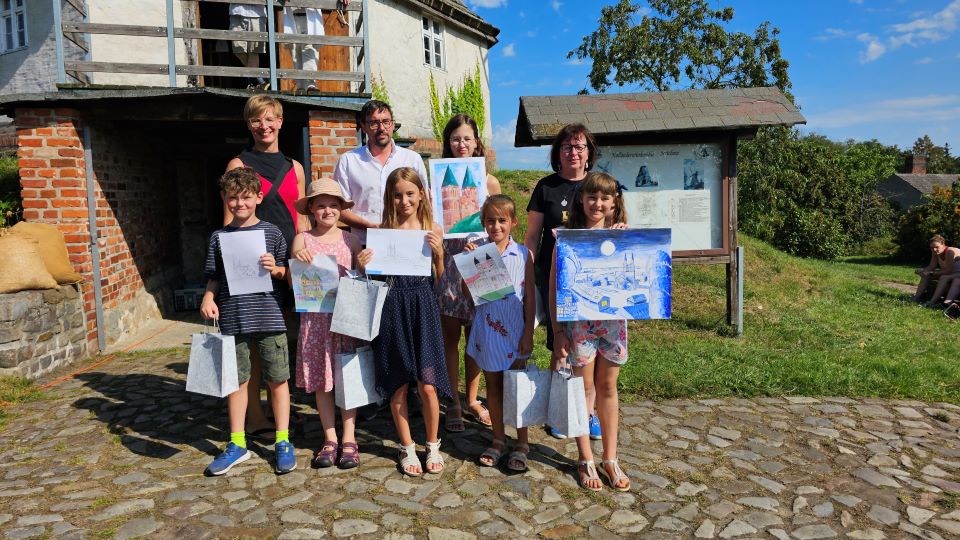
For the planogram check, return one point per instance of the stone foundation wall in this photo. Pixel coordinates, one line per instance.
(41, 331)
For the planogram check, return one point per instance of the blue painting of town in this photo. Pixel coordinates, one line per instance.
(613, 274)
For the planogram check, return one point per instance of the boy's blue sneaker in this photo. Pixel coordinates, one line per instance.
(594, 427)
(230, 457)
(554, 432)
(286, 460)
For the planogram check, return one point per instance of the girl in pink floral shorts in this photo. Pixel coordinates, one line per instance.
(596, 349)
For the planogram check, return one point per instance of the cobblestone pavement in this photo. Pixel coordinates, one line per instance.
(118, 452)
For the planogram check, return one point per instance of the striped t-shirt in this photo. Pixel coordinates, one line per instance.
(247, 313)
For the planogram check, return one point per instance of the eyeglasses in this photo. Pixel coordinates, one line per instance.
(374, 124)
(257, 122)
(461, 140)
(570, 148)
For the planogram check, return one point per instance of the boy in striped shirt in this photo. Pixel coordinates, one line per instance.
(254, 320)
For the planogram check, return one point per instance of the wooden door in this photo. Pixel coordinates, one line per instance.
(334, 58)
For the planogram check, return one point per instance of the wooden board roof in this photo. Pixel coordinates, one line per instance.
(736, 109)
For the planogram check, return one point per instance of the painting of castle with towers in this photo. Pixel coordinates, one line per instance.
(459, 188)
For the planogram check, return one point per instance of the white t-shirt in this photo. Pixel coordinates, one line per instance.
(363, 179)
(248, 10)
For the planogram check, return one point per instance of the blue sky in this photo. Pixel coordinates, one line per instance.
(861, 69)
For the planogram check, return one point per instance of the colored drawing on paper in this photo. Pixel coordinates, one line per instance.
(315, 284)
(613, 274)
(485, 274)
(459, 188)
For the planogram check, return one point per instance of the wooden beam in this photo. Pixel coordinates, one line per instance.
(206, 33)
(319, 4)
(219, 71)
(78, 5)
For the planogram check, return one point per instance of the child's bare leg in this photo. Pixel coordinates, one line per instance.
(398, 409)
(953, 292)
(471, 373)
(237, 408)
(328, 419)
(280, 401)
(495, 403)
(450, 327)
(430, 406)
(583, 442)
(256, 419)
(349, 417)
(608, 404)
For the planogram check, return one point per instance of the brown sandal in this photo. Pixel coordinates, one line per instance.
(454, 423)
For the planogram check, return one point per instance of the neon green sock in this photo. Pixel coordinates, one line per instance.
(283, 435)
(239, 439)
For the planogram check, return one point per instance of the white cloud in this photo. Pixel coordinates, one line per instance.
(914, 108)
(833, 33)
(555, 4)
(511, 82)
(509, 157)
(936, 27)
(531, 33)
(857, 2)
(875, 49)
(509, 51)
(924, 60)
(574, 61)
(488, 3)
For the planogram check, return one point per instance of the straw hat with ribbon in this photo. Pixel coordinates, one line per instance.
(323, 186)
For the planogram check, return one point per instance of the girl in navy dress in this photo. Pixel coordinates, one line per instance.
(409, 348)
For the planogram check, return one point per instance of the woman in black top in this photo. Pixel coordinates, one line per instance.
(573, 153)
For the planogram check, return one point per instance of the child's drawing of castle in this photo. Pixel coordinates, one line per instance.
(459, 201)
(608, 274)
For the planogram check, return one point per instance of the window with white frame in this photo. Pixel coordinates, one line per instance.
(432, 43)
(13, 25)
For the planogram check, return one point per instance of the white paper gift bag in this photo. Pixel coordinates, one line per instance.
(525, 395)
(357, 311)
(568, 404)
(355, 379)
(213, 364)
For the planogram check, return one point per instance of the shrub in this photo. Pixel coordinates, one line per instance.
(940, 214)
(11, 204)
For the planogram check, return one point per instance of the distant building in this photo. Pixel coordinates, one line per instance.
(908, 189)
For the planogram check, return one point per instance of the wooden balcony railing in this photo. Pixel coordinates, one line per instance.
(358, 78)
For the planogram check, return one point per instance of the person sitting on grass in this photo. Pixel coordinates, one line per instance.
(942, 264)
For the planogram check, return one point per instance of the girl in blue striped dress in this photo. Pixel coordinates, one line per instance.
(501, 336)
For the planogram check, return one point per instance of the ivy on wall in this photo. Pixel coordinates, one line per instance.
(466, 99)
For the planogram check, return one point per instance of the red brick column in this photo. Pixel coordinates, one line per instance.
(331, 134)
(53, 182)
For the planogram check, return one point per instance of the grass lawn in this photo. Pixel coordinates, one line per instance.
(810, 328)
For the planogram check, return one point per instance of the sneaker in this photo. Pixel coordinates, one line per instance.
(594, 423)
(225, 461)
(286, 461)
(554, 432)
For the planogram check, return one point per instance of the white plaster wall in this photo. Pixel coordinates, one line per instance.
(134, 49)
(396, 54)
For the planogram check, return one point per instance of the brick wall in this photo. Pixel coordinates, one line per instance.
(331, 134)
(134, 200)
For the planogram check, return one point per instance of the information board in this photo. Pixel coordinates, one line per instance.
(675, 186)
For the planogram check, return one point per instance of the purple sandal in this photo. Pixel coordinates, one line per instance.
(350, 458)
(325, 456)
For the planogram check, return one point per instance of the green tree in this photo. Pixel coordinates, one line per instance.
(938, 158)
(680, 41)
(940, 214)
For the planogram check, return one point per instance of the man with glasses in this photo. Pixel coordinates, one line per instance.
(362, 173)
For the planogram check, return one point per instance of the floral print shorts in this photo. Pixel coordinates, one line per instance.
(590, 338)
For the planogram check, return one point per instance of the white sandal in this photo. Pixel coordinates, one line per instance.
(408, 458)
(434, 457)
